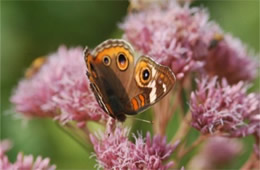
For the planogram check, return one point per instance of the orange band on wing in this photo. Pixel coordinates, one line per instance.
(141, 97)
(134, 104)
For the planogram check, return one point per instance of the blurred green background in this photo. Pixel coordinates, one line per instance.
(34, 28)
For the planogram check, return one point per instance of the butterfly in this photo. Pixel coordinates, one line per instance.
(123, 81)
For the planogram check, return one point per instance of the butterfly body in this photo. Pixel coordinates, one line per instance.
(124, 82)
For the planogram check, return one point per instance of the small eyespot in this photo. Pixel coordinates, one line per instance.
(122, 62)
(145, 75)
(106, 60)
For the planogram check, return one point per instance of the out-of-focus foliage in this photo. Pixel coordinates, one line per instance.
(30, 29)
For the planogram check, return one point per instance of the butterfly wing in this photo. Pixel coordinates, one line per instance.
(124, 83)
(151, 82)
(110, 70)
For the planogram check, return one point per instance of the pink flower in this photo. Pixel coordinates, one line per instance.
(173, 35)
(257, 151)
(221, 107)
(217, 153)
(5, 145)
(114, 151)
(59, 89)
(23, 162)
(253, 124)
(220, 150)
(230, 59)
(150, 152)
(183, 38)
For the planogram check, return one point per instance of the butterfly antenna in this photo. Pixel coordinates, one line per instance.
(142, 120)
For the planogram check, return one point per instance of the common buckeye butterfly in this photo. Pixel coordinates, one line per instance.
(124, 82)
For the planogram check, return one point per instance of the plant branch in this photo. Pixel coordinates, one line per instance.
(183, 129)
(251, 163)
(80, 135)
(163, 111)
(196, 143)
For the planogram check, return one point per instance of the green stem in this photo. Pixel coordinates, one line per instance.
(196, 143)
(163, 111)
(183, 129)
(81, 136)
(249, 164)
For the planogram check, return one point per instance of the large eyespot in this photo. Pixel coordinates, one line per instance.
(106, 60)
(122, 62)
(145, 75)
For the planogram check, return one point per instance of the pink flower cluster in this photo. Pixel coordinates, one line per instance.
(184, 39)
(230, 60)
(253, 121)
(224, 108)
(217, 152)
(171, 35)
(220, 150)
(114, 151)
(59, 89)
(23, 162)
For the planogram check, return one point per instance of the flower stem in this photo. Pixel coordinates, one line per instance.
(163, 111)
(251, 162)
(183, 129)
(196, 143)
(185, 85)
(80, 135)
